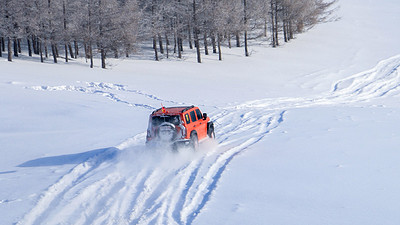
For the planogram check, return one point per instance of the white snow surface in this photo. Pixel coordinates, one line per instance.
(307, 133)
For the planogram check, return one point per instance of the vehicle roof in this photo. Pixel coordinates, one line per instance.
(172, 110)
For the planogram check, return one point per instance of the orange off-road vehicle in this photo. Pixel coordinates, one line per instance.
(179, 126)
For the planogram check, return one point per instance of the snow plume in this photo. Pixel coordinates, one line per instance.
(134, 185)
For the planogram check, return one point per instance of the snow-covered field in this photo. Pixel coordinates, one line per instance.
(307, 133)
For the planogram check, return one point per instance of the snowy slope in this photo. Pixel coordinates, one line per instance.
(306, 134)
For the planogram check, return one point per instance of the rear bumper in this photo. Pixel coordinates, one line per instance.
(182, 142)
(158, 143)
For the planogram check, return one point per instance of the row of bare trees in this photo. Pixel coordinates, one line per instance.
(109, 28)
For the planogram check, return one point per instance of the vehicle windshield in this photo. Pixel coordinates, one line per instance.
(157, 120)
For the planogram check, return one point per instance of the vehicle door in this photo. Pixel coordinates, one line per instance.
(190, 125)
(201, 126)
(194, 122)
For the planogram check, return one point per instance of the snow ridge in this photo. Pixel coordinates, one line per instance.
(381, 81)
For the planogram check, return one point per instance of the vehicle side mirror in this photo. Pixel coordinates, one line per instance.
(204, 116)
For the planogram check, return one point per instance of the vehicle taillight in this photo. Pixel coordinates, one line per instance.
(183, 131)
(148, 136)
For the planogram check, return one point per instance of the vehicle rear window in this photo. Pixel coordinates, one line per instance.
(199, 115)
(187, 118)
(193, 116)
(157, 120)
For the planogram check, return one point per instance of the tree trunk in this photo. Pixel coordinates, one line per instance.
(237, 39)
(15, 47)
(190, 37)
(127, 49)
(273, 24)
(167, 45)
(40, 51)
(197, 46)
(19, 45)
(116, 54)
(214, 45)
(66, 52)
(196, 33)
(46, 53)
(38, 42)
(3, 45)
(290, 30)
(246, 51)
(219, 47)
(90, 54)
(229, 41)
(155, 48)
(29, 46)
(56, 48)
(175, 42)
(160, 43)
(276, 23)
(1, 50)
(54, 52)
(9, 49)
(180, 43)
(179, 47)
(284, 31)
(103, 57)
(76, 49)
(205, 43)
(265, 27)
(71, 53)
(35, 45)
(86, 48)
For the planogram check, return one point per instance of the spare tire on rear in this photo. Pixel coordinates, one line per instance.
(166, 132)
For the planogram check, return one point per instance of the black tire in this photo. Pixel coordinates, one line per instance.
(194, 141)
(210, 130)
(211, 134)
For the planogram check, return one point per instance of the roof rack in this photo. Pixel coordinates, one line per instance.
(156, 110)
(184, 110)
(187, 108)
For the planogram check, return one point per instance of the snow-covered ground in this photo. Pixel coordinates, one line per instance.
(307, 133)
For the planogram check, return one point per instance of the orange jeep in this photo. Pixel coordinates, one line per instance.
(179, 126)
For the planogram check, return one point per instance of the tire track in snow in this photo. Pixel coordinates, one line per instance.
(143, 187)
(51, 198)
(114, 92)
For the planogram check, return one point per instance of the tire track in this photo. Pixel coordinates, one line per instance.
(113, 92)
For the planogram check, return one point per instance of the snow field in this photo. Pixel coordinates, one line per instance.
(131, 185)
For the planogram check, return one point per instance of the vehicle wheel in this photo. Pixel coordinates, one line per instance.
(210, 130)
(194, 141)
(212, 135)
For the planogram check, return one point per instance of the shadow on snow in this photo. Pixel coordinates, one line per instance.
(72, 158)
